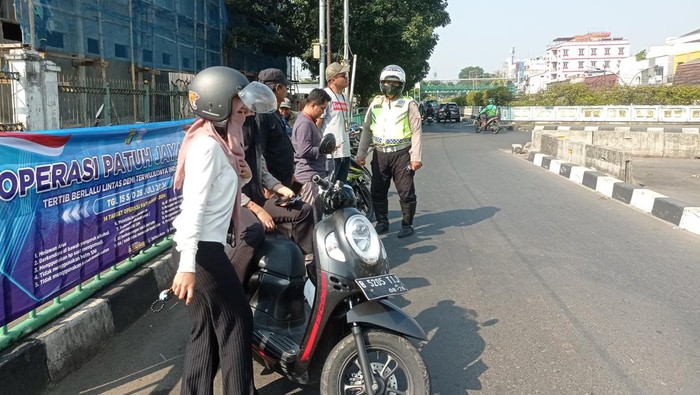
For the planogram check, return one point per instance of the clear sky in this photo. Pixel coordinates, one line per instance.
(482, 33)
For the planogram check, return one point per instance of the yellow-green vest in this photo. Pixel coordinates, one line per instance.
(390, 125)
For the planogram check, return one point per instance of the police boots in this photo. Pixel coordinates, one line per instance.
(381, 213)
(408, 211)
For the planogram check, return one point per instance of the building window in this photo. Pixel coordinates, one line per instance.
(566, 52)
(166, 58)
(121, 51)
(54, 39)
(621, 51)
(606, 64)
(581, 51)
(93, 46)
(147, 56)
(199, 65)
(565, 65)
(593, 62)
(593, 51)
(607, 51)
(185, 63)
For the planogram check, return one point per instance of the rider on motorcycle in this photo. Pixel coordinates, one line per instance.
(488, 113)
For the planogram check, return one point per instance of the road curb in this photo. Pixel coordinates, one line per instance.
(661, 206)
(619, 128)
(32, 364)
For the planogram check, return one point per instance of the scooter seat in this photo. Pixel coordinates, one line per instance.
(281, 256)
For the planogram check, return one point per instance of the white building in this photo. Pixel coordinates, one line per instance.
(569, 57)
(536, 75)
(661, 61)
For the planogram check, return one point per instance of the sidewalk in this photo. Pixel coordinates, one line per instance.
(677, 178)
(668, 189)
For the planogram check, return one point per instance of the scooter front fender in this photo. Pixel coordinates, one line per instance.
(385, 314)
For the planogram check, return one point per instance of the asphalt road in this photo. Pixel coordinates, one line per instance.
(524, 281)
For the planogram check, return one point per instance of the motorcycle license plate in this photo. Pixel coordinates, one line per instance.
(381, 286)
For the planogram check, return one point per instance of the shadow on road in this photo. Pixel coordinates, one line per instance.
(453, 328)
(428, 226)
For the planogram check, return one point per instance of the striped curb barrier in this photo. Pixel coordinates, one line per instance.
(661, 206)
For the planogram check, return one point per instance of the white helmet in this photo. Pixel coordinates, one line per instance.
(392, 72)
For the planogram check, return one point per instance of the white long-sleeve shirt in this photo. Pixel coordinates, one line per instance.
(208, 196)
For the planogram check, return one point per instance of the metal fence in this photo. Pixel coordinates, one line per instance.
(8, 119)
(90, 102)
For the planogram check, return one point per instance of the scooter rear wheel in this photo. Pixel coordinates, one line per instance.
(395, 362)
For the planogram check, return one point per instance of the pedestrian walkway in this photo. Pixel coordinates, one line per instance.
(677, 178)
(668, 189)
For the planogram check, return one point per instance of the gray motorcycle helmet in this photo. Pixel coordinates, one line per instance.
(212, 90)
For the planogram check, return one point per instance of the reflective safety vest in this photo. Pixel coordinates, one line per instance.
(390, 124)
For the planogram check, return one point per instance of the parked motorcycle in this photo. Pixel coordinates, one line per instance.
(359, 177)
(493, 125)
(336, 326)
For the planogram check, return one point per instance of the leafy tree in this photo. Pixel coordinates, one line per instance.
(268, 28)
(641, 55)
(384, 32)
(473, 72)
(582, 95)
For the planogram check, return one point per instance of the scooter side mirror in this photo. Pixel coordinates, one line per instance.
(327, 145)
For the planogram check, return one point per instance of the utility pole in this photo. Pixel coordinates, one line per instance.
(328, 33)
(346, 31)
(322, 42)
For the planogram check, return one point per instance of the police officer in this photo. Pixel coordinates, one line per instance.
(393, 124)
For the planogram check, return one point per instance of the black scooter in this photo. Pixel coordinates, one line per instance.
(336, 324)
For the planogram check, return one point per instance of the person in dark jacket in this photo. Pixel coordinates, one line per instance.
(274, 140)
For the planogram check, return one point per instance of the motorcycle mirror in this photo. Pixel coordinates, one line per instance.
(99, 111)
(327, 145)
(98, 114)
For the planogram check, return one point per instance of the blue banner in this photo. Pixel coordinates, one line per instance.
(75, 202)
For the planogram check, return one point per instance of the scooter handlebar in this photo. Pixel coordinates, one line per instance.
(322, 182)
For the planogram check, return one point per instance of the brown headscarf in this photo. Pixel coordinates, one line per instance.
(232, 146)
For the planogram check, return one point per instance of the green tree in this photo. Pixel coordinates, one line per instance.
(641, 55)
(382, 32)
(268, 28)
(471, 72)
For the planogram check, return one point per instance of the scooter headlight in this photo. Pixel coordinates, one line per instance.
(363, 239)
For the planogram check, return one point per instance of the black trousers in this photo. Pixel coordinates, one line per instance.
(300, 215)
(392, 165)
(222, 328)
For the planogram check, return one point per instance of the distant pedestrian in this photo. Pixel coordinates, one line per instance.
(288, 115)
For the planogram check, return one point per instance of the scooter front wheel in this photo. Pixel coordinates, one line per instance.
(397, 365)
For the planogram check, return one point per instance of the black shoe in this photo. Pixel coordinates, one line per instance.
(382, 227)
(406, 230)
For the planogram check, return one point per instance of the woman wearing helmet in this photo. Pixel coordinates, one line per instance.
(210, 169)
(393, 124)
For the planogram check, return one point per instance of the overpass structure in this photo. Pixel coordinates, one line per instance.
(450, 88)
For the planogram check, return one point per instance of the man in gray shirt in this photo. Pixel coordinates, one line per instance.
(306, 138)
